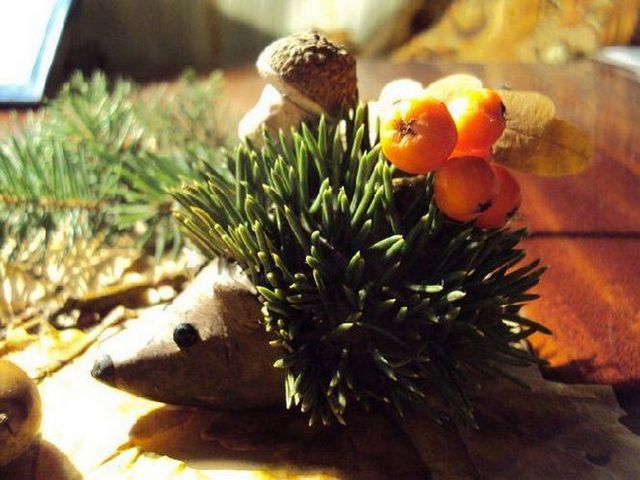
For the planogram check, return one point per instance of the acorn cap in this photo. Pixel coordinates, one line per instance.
(311, 71)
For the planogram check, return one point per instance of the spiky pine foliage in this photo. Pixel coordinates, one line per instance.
(369, 292)
(47, 187)
(98, 160)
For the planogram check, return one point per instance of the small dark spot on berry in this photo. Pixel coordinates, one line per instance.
(512, 212)
(484, 206)
(406, 128)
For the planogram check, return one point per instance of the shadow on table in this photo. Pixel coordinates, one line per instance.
(628, 396)
(629, 399)
(42, 461)
(549, 430)
(572, 372)
(597, 235)
(372, 446)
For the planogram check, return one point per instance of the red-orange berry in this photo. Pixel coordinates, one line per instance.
(417, 135)
(506, 202)
(480, 120)
(465, 187)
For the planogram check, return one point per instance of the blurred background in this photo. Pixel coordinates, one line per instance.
(153, 39)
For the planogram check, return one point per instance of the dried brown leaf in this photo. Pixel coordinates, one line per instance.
(552, 431)
(169, 427)
(132, 464)
(527, 110)
(16, 339)
(535, 141)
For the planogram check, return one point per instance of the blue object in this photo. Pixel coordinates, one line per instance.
(31, 89)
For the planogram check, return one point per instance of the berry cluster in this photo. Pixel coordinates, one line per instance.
(423, 134)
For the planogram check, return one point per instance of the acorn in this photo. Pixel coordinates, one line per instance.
(307, 75)
(312, 71)
(20, 412)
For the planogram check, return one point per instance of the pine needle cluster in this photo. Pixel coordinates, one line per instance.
(99, 159)
(369, 292)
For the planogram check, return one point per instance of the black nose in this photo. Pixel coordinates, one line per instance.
(104, 369)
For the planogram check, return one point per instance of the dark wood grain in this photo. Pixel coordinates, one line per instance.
(586, 227)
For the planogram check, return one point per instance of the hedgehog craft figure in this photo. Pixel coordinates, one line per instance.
(361, 254)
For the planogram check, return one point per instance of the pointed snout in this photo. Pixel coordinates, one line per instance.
(104, 370)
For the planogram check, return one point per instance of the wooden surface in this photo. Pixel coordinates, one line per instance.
(586, 227)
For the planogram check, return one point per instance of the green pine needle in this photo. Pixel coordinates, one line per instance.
(99, 159)
(369, 292)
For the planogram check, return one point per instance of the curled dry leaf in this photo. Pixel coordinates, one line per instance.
(527, 110)
(39, 286)
(535, 141)
(131, 464)
(16, 339)
(277, 444)
(550, 431)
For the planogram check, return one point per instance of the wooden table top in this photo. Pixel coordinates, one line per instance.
(585, 227)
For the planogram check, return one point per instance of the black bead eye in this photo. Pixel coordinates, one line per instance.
(185, 335)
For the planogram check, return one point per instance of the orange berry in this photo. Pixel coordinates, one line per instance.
(506, 203)
(480, 119)
(417, 135)
(465, 187)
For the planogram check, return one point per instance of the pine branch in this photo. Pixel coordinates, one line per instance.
(369, 292)
(101, 157)
(92, 170)
(44, 185)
